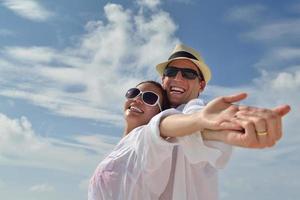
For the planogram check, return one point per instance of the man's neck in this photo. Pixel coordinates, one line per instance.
(183, 103)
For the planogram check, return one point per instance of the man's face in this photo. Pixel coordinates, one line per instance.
(179, 89)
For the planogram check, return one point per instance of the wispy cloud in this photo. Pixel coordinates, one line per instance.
(6, 32)
(286, 29)
(182, 1)
(269, 90)
(88, 79)
(20, 145)
(29, 9)
(41, 188)
(264, 26)
(278, 58)
(2, 184)
(278, 83)
(149, 3)
(248, 13)
(31, 54)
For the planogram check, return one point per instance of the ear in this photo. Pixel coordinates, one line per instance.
(202, 86)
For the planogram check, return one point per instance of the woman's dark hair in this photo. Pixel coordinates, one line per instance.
(165, 101)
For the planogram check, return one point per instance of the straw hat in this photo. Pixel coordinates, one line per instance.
(183, 52)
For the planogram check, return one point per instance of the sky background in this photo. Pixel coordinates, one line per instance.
(65, 65)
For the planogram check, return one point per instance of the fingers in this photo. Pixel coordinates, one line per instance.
(235, 98)
(272, 121)
(263, 129)
(248, 138)
(226, 125)
(267, 124)
(282, 110)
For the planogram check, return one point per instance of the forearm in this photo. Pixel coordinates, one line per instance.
(231, 137)
(179, 125)
(212, 135)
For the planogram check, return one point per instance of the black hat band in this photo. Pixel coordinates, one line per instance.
(182, 54)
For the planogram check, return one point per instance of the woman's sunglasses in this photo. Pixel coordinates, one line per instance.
(187, 73)
(148, 97)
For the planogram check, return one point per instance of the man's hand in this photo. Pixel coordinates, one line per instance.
(218, 113)
(261, 127)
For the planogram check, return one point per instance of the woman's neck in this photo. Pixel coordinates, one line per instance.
(128, 128)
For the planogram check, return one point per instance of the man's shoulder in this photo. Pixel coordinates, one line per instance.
(192, 105)
(197, 101)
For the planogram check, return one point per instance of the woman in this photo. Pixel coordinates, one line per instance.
(142, 165)
(130, 171)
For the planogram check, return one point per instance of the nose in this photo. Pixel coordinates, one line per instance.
(178, 76)
(138, 99)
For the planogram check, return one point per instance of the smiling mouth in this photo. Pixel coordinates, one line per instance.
(176, 90)
(135, 109)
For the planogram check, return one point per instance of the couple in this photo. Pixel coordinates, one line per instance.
(175, 154)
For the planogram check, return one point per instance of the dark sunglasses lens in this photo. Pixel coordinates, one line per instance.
(132, 93)
(150, 98)
(189, 74)
(170, 71)
(186, 73)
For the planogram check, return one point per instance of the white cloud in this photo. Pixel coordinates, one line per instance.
(21, 146)
(6, 32)
(29, 9)
(278, 66)
(278, 83)
(84, 184)
(287, 81)
(262, 25)
(95, 141)
(254, 173)
(2, 184)
(288, 30)
(278, 58)
(31, 54)
(88, 80)
(248, 13)
(41, 188)
(262, 171)
(149, 3)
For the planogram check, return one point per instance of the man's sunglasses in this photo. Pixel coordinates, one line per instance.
(148, 97)
(187, 73)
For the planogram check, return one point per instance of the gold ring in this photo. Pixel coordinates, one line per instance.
(262, 133)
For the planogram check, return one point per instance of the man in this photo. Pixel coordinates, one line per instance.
(184, 77)
(193, 173)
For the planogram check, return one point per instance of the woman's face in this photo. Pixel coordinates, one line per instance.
(138, 113)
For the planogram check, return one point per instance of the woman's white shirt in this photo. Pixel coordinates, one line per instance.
(145, 166)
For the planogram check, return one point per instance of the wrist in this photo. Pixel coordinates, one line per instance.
(200, 124)
(208, 134)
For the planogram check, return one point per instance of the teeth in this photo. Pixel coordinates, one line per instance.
(177, 89)
(135, 109)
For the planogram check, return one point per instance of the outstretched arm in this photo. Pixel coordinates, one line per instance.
(243, 126)
(216, 115)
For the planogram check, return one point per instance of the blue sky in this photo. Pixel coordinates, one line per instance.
(65, 65)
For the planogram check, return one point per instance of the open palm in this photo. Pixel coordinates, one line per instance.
(217, 114)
